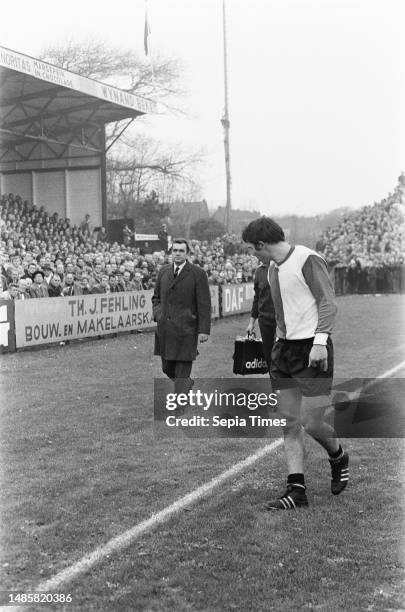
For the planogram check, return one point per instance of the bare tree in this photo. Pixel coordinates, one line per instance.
(124, 69)
(147, 165)
(137, 163)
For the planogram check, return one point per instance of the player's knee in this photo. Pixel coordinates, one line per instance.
(311, 425)
(292, 428)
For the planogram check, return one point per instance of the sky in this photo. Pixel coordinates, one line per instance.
(316, 89)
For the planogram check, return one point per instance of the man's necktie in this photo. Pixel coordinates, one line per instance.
(176, 271)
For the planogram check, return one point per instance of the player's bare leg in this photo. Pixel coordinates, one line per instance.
(307, 414)
(289, 408)
(313, 420)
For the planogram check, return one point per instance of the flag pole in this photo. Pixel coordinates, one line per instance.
(226, 125)
(147, 43)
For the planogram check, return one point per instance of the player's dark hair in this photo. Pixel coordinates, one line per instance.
(263, 229)
(181, 241)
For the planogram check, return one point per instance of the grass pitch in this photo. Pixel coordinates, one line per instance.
(81, 465)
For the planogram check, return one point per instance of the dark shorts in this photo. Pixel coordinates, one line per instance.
(289, 368)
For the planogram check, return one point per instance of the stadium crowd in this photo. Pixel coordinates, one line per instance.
(367, 247)
(43, 255)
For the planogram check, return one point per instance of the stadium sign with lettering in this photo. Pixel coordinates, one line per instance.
(47, 320)
(146, 237)
(64, 78)
(236, 298)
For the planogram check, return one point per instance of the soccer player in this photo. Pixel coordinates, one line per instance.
(302, 356)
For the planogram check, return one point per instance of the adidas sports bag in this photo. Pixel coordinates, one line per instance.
(248, 357)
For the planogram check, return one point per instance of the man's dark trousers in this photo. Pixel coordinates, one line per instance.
(179, 372)
(268, 332)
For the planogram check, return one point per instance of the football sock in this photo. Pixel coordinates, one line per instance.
(338, 455)
(296, 479)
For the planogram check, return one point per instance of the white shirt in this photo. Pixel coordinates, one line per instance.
(178, 268)
(303, 296)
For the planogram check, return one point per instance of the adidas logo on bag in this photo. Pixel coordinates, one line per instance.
(256, 363)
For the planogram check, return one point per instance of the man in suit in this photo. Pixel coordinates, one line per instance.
(182, 310)
(70, 285)
(39, 288)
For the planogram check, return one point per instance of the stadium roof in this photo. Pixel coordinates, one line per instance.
(41, 102)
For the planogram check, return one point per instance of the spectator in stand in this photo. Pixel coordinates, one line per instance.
(127, 235)
(55, 286)
(84, 284)
(113, 282)
(70, 286)
(162, 235)
(85, 226)
(60, 269)
(97, 272)
(213, 278)
(13, 276)
(48, 273)
(38, 289)
(138, 281)
(128, 284)
(103, 286)
(11, 293)
(23, 288)
(102, 235)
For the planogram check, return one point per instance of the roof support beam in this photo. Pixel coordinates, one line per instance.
(44, 93)
(28, 137)
(39, 114)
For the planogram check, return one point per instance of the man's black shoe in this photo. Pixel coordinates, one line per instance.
(294, 497)
(340, 473)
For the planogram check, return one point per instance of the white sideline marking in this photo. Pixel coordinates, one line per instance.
(374, 381)
(392, 371)
(126, 538)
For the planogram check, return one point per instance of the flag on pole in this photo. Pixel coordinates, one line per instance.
(146, 31)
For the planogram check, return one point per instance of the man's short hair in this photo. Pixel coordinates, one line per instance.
(263, 229)
(181, 241)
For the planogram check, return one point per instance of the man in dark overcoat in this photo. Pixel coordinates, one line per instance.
(182, 310)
